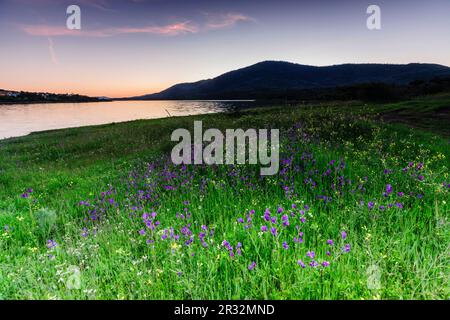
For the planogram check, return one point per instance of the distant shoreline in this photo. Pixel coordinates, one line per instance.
(119, 99)
(49, 102)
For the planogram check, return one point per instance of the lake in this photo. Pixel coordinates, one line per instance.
(22, 119)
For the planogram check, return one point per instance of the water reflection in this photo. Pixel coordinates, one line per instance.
(22, 119)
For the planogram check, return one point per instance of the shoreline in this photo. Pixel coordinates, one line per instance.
(99, 125)
(414, 117)
(24, 129)
(119, 99)
(48, 102)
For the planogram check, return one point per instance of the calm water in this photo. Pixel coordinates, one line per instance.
(22, 119)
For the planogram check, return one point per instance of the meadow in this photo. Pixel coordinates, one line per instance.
(358, 210)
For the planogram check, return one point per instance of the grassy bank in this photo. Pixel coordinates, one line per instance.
(359, 209)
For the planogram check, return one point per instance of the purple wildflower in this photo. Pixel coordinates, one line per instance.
(267, 215)
(299, 239)
(388, 189)
(51, 244)
(285, 220)
(313, 264)
(252, 266)
(273, 231)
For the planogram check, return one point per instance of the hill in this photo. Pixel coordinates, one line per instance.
(277, 79)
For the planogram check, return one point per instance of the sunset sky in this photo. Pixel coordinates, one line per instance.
(135, 47)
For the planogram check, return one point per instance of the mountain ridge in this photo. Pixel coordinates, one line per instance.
(264, 77)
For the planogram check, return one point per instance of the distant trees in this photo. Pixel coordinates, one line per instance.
(41, 97)
(370, 92)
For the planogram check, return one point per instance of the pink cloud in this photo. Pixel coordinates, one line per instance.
(169, 30)
(185, 27)
(226, 20)
(51, 31)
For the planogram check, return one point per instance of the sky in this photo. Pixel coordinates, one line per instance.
(134, 47)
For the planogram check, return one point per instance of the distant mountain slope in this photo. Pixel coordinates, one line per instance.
(277, 77)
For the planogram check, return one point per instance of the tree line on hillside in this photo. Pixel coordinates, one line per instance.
(369, 92)
(9, 97)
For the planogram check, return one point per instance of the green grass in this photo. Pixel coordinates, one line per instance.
(408, 247)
